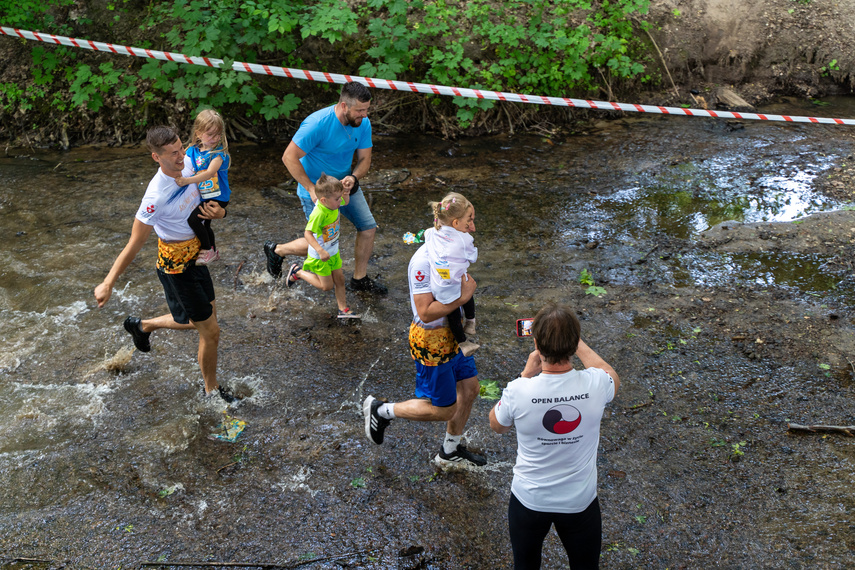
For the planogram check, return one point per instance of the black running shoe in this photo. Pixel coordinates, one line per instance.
(226, 394)
(274, 260)
(367, 285)
(133, 326)
(375, 425)
(460, 456)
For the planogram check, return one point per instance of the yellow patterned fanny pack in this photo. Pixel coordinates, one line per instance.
(174, 257)
(432, 347)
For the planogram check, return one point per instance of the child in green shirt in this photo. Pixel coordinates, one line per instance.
(322, 267)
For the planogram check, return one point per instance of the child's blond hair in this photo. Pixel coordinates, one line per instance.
(207, 120)
(326, 186)
(454, 206)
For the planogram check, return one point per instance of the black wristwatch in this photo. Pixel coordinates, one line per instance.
(355, 184)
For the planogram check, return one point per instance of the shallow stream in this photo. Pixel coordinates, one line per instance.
(105, 456)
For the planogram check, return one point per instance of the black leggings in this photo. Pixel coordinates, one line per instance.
(580, 533)
(455, 323)
(202, 228)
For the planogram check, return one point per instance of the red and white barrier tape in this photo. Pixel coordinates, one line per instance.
(325, 77)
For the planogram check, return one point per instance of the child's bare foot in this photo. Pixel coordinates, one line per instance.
(468, 347)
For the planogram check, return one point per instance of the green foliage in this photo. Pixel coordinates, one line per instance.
(826, 70)
(88, 88)
(585, 278)
(32, 14)
(531, 46)
(489, 390)
(234, 30)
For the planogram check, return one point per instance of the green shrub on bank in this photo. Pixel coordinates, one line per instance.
(543, 47)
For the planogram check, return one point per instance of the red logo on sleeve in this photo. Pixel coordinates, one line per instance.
(420, 276)
(150, 209)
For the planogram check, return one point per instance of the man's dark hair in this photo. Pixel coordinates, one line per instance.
(556, 330)
(355, 91)
(159, 137)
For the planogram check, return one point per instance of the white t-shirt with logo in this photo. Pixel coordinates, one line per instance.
(418, 273)
(166, 207)
(557, 417)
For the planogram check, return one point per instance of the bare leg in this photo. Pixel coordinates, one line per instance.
(322, 282)
(364, 247)
(163, 322)
(209, 341)
(424, 411)
(298, 247)
(340, 295)
(467, 391)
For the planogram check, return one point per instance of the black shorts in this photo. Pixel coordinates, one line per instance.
(189, 294)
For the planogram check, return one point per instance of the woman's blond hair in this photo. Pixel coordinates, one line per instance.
(206, 120)
(454, 206)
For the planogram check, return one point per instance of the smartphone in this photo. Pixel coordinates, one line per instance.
(524, 327)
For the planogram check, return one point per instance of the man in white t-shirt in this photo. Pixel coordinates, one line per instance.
(557, 412)
(446, 380)
(188, 287)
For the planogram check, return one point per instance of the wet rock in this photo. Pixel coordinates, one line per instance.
(730, 99)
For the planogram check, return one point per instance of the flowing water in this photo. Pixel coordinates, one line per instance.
(105, 457)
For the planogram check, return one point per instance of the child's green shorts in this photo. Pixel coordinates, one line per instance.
(322, 268)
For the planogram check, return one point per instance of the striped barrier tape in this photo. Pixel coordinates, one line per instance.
(325, 77)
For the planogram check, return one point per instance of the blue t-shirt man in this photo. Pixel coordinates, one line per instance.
(329, 145)
(326, 143)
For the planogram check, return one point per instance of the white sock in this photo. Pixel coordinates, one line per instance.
(451, 442)
(387, 411)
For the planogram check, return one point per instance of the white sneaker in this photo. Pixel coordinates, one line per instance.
(206, 256)
(469, 326)
(468, 347)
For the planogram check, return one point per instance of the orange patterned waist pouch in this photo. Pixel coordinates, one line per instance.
(432, 347)
(175, 257)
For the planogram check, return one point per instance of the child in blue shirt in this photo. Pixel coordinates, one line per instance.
(209, 152)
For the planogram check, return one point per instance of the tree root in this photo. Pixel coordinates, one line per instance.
(848, 430)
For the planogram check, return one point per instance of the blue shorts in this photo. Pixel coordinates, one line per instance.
(357, 211)
(439, 383)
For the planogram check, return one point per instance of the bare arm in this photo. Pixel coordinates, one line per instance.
(313, 243)
(213, 167)
(363, 163)
(139, 234)
(291, 159)
(429, 309)
(494, 423)
(591, 359)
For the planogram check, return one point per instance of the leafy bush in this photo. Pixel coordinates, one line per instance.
(553, 48)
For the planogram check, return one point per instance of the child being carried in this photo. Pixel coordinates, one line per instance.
(451, 250)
